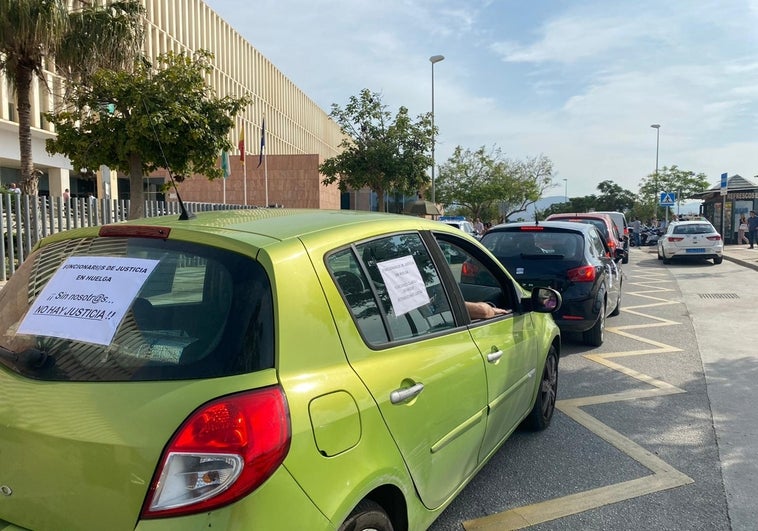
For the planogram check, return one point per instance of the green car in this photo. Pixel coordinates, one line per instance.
(262, 369)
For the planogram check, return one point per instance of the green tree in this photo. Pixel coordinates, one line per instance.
(36, 34)
(480, 179)
(163, 118)
(684, 183)
(377, 152)
(472, 180)
(614, 198)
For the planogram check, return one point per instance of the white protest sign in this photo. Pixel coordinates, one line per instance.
(87, 297)
(404, 284)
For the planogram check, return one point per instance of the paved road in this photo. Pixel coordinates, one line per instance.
(722, 305)
(655, 430)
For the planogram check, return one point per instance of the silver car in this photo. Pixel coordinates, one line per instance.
(690, 239)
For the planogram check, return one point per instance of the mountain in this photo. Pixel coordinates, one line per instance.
(542, 204)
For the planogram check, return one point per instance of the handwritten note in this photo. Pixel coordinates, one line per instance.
(87, 297)
(405, 286)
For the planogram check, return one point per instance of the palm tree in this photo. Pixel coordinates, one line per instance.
(39, 36)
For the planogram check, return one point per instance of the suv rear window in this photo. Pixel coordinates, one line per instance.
(535, 244)
(199, 312)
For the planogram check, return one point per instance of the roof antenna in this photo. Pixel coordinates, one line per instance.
(185, 214)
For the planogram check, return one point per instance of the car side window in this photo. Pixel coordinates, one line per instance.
(392, 288)
(479, 278)
(596, 244)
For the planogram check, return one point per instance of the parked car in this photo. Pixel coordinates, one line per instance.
(261, 369)
(569, 257)
(619, 219)
(461, 223)
(604, 224)
(691, 239)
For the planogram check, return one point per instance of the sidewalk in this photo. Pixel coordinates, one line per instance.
(739, 254)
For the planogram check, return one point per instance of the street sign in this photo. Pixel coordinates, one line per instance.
(724, 184)
(668, 199)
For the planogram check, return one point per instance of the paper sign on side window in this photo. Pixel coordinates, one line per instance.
(87, 297)
(405, 286)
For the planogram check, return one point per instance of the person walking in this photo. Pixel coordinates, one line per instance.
(636, 231)
(752, 228)
(741, 230)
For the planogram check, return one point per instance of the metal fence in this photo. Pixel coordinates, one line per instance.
(24, 220)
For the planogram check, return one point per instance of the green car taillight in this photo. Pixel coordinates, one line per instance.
(222, 452)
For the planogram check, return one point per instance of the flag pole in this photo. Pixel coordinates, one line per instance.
(241, 147)
(263, 157)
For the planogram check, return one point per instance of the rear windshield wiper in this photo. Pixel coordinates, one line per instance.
(32, 357)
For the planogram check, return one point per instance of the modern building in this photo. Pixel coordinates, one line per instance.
(299, 134)
(723, 208)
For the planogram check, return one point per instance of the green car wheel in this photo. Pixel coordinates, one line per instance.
(368, 515)
(544, 405)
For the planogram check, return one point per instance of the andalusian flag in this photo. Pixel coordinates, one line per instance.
(225, 166)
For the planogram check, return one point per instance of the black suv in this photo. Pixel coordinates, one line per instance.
(572, 258)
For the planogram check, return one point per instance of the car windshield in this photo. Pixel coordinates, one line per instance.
(185, 311)
(699, 228)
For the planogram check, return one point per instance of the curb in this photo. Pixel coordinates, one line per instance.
(744, 263)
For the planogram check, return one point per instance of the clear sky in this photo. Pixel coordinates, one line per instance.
(579, 81)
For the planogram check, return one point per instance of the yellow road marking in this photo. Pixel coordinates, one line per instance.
(664, 475)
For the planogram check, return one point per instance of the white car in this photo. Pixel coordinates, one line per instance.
(461, 223)
(691, 239)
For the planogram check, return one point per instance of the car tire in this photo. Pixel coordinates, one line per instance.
(659, 254)
(625, 259)
(547, 393)
(367, 515)
(718, 259)
(595, 335)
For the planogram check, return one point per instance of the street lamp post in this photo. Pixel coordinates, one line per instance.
(566, 189)
(657, 128)
(434, 59)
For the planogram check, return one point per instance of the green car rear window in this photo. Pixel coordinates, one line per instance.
(198, 312)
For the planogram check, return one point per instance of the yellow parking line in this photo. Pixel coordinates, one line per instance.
(664, 475)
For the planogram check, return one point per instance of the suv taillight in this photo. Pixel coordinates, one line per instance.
(222, 452)
(469, 270)
(582, 274)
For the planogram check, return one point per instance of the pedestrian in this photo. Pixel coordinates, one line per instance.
(752, 228)
(636, 231)
(15, 189)
(66, 195)
(741, 230)
(479, 226)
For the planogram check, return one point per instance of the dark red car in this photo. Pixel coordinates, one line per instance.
(604, 224)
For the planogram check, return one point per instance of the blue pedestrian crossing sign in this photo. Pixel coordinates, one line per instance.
(668, 198)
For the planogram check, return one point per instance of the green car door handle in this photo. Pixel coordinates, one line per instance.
(492, 357)
(401, 395)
